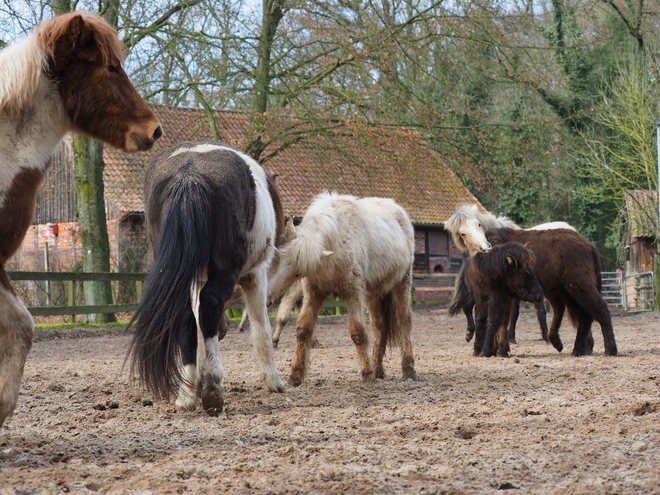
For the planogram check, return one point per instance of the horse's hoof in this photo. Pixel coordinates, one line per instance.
(212, 402)
(368, 376)
(468, 336)
(410, 374)
(612, 351)
(275, 343)
(557, 345)
(294, 380)
(578, 352)
(379, 373)
(186, 404)
(512, 341)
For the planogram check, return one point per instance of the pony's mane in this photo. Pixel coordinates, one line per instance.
(21, 70)
(488, 220)
(493, 265)
(317, 232)
(22, 65)
(105, 36)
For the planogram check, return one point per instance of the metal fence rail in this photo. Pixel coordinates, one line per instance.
(639, 292)
(613, 288)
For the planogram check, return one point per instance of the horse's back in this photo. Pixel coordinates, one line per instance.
(562, 255)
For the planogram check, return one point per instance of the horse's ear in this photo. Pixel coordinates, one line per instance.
(289, 230)
(75, 30)
(527, 244)
(511, 260)
(276, 179)
(325, 254)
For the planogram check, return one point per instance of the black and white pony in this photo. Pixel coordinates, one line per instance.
(214, 217)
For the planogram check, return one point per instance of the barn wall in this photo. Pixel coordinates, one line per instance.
(435, 251)
(641, 254)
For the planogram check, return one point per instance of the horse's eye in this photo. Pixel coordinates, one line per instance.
(463, 235)
(113, 68)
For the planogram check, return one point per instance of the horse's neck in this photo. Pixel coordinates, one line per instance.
(30, 134)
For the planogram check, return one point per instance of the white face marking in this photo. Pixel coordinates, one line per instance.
(473, 236)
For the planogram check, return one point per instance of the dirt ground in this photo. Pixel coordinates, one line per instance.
(538, 422)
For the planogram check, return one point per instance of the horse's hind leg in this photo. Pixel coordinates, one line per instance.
(558, 308)
(379, 327)
(312, 304)
(218, 289)
(595, 305)
(355, 306)
(191, 378)
(16, 328)
(400, 326)
(255, 287)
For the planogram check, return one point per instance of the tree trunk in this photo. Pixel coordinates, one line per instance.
(88, 158)
(272, 15)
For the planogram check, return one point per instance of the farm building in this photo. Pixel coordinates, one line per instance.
(359, 159)
(641, 231)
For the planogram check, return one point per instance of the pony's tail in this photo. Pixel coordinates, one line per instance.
(461, 294)
(164, 317)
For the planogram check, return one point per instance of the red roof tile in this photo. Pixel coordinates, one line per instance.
(360, 160)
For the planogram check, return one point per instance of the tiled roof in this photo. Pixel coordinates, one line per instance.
(360, 160)
(642, 209)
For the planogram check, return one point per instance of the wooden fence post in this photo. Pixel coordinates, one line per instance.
(71, 296)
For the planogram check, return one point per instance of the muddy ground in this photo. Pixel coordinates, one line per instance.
(539, 422)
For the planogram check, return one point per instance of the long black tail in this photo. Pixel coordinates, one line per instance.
(461, 294)
(164, 316)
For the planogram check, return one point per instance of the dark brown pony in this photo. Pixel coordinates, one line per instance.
(496, 280)
(66, 76)
(568, 269)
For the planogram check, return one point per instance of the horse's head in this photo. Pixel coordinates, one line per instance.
(85, 62)
(519, 265)
(281, 274)
(300, 256)
(467, 231)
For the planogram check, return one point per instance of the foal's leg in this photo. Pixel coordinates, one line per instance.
(16, 328)
(243, 323)
(255, 287)
(470, 321)
(515, 312)
(542, 317)
(480, 321)
(312, 305)
(290, 299)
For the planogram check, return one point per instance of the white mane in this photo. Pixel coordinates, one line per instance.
(318, 232)
(21, 70)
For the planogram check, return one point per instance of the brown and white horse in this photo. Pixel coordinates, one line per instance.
(66, 76)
